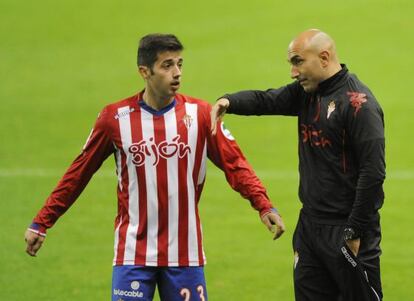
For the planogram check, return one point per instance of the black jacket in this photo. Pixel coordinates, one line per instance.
(341, 145)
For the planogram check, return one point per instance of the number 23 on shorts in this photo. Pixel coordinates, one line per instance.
(186, 293)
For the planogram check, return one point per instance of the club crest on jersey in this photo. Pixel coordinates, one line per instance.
(331, 108)
(124, 113)
(357, 99)
(188, 120)
(226, 132)
(165, 149)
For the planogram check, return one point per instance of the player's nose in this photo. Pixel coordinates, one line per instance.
(294, 73)
(177, 71)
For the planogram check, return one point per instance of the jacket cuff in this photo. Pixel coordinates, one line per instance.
(266, 211)
(38, 229)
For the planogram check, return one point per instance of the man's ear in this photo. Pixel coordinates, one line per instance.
(324, 57)
(144, 71)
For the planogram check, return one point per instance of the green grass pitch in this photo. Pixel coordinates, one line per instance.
(62, 61)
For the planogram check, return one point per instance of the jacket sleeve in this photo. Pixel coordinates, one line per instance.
(97, 148)
(282, 101)
(224, 152)
(365, 122)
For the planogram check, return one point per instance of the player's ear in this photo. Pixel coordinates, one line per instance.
(144, 71)
(324, 58)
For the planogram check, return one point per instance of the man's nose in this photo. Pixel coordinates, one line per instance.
(294, 73)
(177, 71)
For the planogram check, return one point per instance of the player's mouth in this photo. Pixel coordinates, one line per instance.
(302, 81)
(175, 85)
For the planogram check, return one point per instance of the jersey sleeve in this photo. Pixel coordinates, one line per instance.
(281, 101)
(365, 123)
(96, 149)
(224, 152)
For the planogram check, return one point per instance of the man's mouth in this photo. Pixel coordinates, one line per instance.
(175, 84)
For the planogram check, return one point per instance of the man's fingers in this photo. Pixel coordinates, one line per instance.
(278, 232)
(33, 242)
(30, 246)
(217, 112)
(275, 224)
(268, 224)
(214, 127)
(38, 244)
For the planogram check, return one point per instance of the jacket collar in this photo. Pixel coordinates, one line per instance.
(334, 82)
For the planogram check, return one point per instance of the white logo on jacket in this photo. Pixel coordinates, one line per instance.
(226, 132)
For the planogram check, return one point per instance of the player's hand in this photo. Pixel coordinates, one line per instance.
(273, 221)
(34, 242)
(353, 245)
(217, 113)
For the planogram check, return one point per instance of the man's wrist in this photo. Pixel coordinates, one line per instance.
(38, 229)
(265, 212)
(351, 233)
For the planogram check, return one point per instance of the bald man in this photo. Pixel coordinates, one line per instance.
(342, 169)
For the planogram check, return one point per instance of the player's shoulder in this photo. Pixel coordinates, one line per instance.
(112, 110)
(358, 97)
(201, 104)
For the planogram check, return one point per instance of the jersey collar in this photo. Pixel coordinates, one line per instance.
(147, 108)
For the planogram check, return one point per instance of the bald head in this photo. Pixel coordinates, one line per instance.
(316, 41)
(312, 55)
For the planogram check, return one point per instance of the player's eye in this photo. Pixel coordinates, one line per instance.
(296, 61)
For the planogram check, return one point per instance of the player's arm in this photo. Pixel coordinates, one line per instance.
(366, 130)
(97, 148)
(224, 152)
(282, 101)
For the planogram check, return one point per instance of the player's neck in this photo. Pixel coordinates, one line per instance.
(334, 69)
(156, 102)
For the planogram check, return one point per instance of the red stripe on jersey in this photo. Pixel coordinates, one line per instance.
(162, 193)
(141, 243)
(182, 191)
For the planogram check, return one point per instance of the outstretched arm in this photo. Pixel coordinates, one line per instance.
(282, 101)
(97, 148)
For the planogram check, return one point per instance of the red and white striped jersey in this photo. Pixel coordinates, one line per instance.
(161, 168)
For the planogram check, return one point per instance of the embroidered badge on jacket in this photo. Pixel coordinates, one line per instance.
(331, 108)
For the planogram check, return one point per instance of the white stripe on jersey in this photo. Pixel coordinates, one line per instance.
(191, 109)
(201, 178)
(133, 209)
(116, 242)
(118, 162)
(203, 165)
(172, 177)
(152, 196)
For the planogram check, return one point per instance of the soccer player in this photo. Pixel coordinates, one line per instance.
(342, 169)
(160, 140)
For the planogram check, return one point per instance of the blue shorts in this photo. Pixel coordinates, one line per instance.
(137, 283)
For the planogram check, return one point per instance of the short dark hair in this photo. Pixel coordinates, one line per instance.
(152, 44)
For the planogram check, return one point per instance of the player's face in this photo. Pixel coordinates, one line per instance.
(164, 78)
(306, 67)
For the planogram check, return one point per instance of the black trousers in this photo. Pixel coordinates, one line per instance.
(326, 270)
